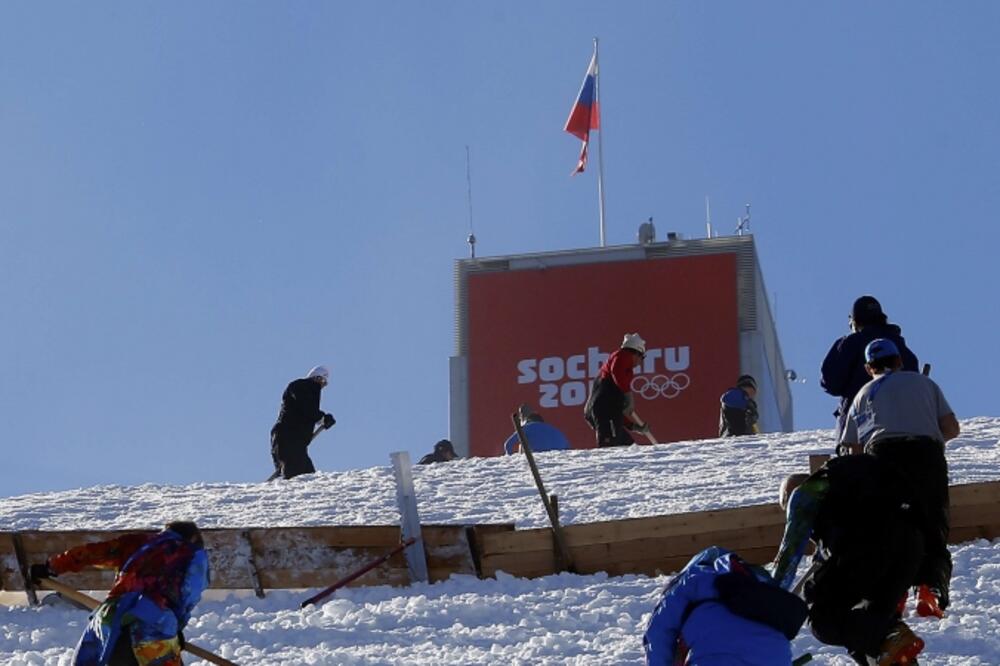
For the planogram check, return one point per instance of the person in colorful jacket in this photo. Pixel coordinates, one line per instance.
(870, 537)
(695, 616)
(160, 578)
(610, 401)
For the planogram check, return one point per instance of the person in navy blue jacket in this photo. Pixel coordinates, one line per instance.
(541, 436)
(843, 371)
(693, 616)
(738, 410)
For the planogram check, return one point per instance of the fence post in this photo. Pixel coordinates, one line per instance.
(409, 519)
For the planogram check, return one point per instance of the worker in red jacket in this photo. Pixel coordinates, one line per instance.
(610, 401)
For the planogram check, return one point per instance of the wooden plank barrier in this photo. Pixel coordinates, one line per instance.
(664, 544)
(277, 557)
(306, 557)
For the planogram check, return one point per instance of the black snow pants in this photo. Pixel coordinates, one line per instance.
(605, 412)
(290, 453)
(852, 597)
(921, 461)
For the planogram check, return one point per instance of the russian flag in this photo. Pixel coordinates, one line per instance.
(585, 114)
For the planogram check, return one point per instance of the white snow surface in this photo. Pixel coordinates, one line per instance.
(563, 619)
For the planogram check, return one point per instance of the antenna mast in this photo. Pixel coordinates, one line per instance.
(708, 217)
(471, 240)
(743, 222)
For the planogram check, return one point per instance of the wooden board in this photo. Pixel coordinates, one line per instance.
(663, 543)
(284, 557)
(307, 557)
(637, 528)
(651, 552)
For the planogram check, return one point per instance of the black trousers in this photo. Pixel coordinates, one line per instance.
(290, 454)
(921, 461)
(852, 597)
(610, 429)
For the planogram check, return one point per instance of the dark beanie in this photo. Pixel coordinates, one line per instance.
(867, 310)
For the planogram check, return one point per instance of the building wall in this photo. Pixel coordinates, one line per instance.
(534, 329)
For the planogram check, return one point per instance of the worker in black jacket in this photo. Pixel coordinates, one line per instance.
(443, 452)
(843, 372)
(294, 430)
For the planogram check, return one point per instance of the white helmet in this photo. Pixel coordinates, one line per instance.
(319, 371)
(634, 342)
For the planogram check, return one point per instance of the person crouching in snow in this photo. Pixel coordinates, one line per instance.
(160, 579)
(610, 401)
(720, 610)
(738, 410)
(541, 436)
(443, 452)
(870, 538)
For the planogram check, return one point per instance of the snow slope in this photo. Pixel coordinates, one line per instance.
(563, 619)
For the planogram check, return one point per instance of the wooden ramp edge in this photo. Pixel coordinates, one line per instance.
(663, 544)
(272, 558)
(308, 557)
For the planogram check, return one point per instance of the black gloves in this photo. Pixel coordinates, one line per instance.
(180, 639)
(39, 571)
(328, 420)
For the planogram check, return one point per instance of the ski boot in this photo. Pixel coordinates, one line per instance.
(900, 647)
(927, 603)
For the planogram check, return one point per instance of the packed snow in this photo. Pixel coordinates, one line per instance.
(563, 619)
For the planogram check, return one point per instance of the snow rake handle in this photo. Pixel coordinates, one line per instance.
(323, 594)
(92, 603)
(563, 554)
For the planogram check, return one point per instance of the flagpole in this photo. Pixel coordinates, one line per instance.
(600, 140)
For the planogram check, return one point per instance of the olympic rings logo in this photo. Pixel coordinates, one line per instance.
(660, 386)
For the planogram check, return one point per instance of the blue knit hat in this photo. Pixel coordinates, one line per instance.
(880, 348)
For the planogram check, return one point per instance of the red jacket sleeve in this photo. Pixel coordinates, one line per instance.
(101, 555)
(622, 369)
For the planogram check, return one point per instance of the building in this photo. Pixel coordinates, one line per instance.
(534, 328)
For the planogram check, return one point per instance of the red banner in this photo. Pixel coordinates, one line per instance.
(539, 336)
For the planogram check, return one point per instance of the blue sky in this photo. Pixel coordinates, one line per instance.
(198, 202)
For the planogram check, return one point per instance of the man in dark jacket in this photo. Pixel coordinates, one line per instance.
(294, 430)
(610, 401)
(443, 452)
(843, 371)
(870, 540)
(738, 410)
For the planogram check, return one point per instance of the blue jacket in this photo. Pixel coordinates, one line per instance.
(737, 413)
(843, 371)
(689, 609)
(541, 437)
